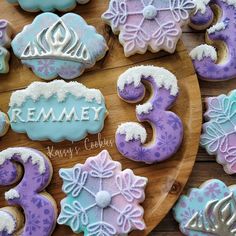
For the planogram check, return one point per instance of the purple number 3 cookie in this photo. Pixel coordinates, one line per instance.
(167, 126)
(148, 24)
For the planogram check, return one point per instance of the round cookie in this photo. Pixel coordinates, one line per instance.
(101, 199)
(148, 25)
(4, 124)
(216, 61)
(167, 126)
(40, 210)
(57, 111)
(209, 210)
(47, 5)
(55, 46)
(219, 134)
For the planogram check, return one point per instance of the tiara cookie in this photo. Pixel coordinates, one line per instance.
(148, 24)
(217, 62)
(57, 111)
(102, 199)
(209, 210)
(52, 46)
(47, 5)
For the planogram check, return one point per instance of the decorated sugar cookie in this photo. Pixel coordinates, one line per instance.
(4, 124)
(57, 111)
(217, 62)
(148, 24)
(39, 208)
(167, 126)
(52, 46)
(102, 199)
(5, 42)
(47, 5)
(219, 134)
(209, 210)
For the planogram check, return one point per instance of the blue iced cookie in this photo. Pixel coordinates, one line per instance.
(52, 46)
(57, 111)
(4, 124)
(47, 5)
(209, 210)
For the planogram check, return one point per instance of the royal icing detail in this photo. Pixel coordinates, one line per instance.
(215, 65)
(167, 126)
(219, 133)
(47, 5)
(5, 42)
(4, 124)
(52, 46)
(209, 210)
(7, 223)
(148, 24)
(102, 199)
(57, 111)
(39, 209)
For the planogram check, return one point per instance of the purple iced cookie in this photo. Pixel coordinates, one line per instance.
(210, 63)
(39, 208)
(148, 24)
(167, 126)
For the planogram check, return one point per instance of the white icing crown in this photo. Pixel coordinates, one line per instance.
(132, 131)
(162, 77)
(202, 51)
(59, 88)
(57, 42)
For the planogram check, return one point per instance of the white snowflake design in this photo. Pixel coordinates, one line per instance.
(148, 24)
(101, 199)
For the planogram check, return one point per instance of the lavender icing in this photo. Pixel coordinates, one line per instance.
(167, 126)
(221, 67)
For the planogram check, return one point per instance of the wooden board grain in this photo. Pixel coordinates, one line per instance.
(166, 180)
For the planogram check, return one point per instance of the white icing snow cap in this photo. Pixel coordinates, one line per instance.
(7, 222)
(217, 27)
(202, 51)
(12, 194)
(25, 154)
(132, 131)
(201, 5)
(59, 88)
(162, 77)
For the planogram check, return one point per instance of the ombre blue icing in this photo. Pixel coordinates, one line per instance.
(55, 46)
(57, 111)
(47, 5)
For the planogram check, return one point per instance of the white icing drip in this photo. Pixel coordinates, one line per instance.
(145, 108)
(203, 51)
(201, 5)
(59, 88)
(25, 155)
(7, 222)
(217, 27)
(12, 194)
(132, 131)
(162, 77)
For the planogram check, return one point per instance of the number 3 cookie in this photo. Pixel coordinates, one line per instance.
(39, 207)
(167, 126)
(212, 64)
(47, 5)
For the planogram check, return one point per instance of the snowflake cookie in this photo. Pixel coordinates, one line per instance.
(209, 210)
(59, 46)
(219, 132)
(47, 5)
(148, 24)
(102, 199)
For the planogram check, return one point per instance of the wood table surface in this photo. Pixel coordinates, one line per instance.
(205, 167)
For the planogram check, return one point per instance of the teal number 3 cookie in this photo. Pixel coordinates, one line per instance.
(47, 5)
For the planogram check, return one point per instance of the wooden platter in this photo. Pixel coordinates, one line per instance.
(166, 180)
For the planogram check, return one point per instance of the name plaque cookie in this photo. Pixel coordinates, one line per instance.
(57, 111)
